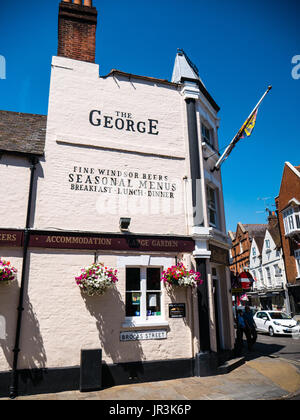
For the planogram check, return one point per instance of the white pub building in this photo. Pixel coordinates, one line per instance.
(118, 172)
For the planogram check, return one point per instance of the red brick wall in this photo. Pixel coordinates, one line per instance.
(240, 260)
(77, 32)
(290, 188)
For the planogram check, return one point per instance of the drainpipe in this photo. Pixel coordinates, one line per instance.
(205, 360)
(13, 389)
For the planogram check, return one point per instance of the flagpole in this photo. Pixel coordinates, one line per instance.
(238, 135)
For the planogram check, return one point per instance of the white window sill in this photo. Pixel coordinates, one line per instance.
(145, 324)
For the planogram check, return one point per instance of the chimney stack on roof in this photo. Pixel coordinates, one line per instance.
(77, 24)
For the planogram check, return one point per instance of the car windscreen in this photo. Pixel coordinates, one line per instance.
(279, 315)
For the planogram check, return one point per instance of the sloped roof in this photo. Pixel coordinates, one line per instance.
(22, 133)
(259, 240)
(136, 76)
(273, 228)
(255, 230)
(185, 70)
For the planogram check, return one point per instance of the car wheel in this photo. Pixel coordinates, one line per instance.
(271, 332)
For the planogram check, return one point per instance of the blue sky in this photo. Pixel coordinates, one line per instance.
(239, 47)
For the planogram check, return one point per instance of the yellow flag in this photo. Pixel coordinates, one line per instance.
(248, 128)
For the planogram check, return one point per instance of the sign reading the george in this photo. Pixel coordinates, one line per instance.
(123, 121)
(143, 335)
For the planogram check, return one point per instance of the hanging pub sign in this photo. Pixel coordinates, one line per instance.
(177, 310)
(236, 285)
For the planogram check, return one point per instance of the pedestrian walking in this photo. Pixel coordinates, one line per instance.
(241, 329)
(250, 328)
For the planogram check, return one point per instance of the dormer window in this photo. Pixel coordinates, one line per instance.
(291, 220)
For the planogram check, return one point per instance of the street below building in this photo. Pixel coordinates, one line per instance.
(270, 372)
(286, 347)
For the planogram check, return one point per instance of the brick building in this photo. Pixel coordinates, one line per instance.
(241, 245)
(288, 208)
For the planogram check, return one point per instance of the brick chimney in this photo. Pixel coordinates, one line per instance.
(272, 219)
(77, 24)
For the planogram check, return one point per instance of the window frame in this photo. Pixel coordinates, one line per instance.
(213, 208)
(144, 318)
(206, 129)
(297, 260)
(269, 276)
(291, 219)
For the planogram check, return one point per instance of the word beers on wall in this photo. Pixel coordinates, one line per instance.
(123, 121)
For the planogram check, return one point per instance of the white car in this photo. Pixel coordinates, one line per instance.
(275, 322)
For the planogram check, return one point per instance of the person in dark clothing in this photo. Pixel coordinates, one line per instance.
(250, 328)
(241, 329)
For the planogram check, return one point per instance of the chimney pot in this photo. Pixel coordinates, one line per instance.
(67, 1)
(78, 2)
(88, 3)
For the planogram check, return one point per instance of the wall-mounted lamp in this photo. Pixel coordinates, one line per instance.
(124, 223)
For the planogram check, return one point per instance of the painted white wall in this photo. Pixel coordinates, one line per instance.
(271, 257)
(14, 183)
(268, 258)
(73, 143)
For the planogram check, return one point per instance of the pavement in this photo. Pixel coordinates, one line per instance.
(260, 378)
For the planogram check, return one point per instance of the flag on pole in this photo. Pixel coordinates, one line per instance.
(246, 130)
(248, 127)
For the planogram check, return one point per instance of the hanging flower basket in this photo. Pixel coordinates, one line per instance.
(178, 275)
(94, 280)
(8, 273)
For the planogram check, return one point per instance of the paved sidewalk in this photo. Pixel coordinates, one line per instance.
(259, 379)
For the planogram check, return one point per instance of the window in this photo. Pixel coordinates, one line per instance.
(268, 272)
(267, 241)
(297, 257)
(212, 206)
(241, 248)
(279, 315)
(262, 315)
(260, 280)
(277, 270)
(254, 276)
(254, 252)
(291, 219)
(206, 134)
(143, 292)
